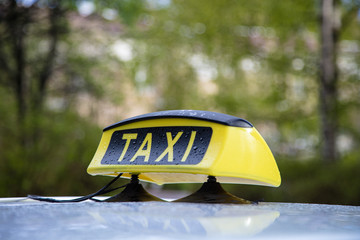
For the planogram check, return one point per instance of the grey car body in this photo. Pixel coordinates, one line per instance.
(21, 218)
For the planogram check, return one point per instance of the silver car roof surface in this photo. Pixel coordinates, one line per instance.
(21, 218)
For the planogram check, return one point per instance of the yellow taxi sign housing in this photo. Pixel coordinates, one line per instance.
(186, 146)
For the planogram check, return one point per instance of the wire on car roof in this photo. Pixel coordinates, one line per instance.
(102, 191)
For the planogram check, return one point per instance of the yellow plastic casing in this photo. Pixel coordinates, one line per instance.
(234, 155)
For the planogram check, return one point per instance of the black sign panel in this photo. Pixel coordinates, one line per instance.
(158, 146)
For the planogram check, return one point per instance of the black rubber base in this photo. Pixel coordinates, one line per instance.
(212, 192)
(133, 192)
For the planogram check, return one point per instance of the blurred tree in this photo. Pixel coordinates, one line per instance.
(67, 65)
(55, 64)
(334, 18)
(30, 35)
(27, 80)
(232, 57)
(330, 26)
(259, 62)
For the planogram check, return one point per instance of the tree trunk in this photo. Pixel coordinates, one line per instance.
(15, 24)
(329, 26)
(47, 68)
(29, 90)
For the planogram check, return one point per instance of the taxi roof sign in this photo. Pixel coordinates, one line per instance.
(186, 146)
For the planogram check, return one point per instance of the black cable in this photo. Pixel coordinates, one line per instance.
(113, 189)
(80, 199)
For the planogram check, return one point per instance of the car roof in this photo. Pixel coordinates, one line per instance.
(21, 218)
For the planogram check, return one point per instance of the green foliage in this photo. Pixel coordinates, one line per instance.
(129, 11)
(232, 57)
(253, 59)
(58, 151)
(310, 182)
(47, 141)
